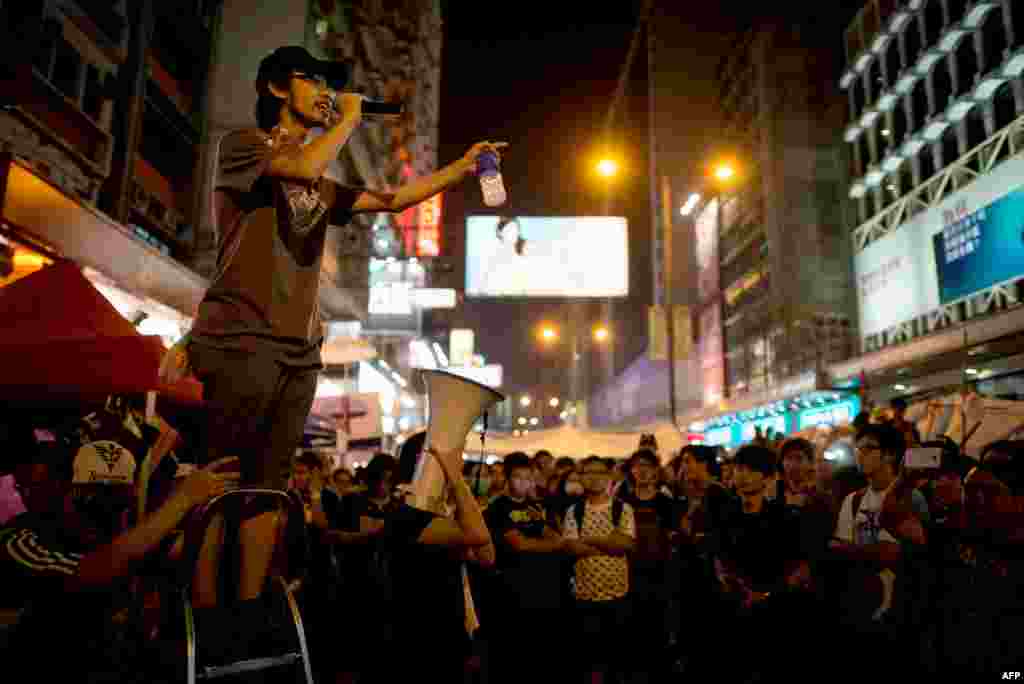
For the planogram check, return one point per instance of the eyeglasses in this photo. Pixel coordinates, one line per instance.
(314, 79)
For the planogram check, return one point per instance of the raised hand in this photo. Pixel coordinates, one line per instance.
(206, 483)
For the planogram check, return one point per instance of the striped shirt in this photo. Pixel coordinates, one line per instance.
(22, 548)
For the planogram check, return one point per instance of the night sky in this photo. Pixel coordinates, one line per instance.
(543, 80)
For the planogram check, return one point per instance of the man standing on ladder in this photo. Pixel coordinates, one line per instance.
(256, 341)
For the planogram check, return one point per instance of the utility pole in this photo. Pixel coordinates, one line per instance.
(607, 305)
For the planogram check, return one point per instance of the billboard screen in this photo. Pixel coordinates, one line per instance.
(971, 241)
(547, 256)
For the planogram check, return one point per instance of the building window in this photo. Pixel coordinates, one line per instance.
(932, 22)
(919, 104)
(1005, 106)
(66, 69)
(904, 178)
(899, 122)
(993, 38)
(883, 134)
(967, 65)
(927, 160)
(858, 96)
(942, 84)
(875, 80)
(957, 9)
(892, 60)
(856, 171)
(976, 133)
(950, 145)
(92, 99)
(890, 190)
(1017, 19)
(912, 37)
(865, 151)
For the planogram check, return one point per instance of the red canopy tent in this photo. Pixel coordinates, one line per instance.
(62, 339)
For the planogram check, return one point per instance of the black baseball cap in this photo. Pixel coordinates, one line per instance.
(285, 60)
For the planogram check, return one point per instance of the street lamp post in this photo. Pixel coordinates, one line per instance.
(600, 335)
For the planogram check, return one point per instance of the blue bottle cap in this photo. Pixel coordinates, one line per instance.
(486, 162)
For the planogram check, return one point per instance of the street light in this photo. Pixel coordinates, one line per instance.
(525, 401)
(522, 421)
(725, 172)
(607, 168)
(534, 421)
(548, 334)
(554, 402)
(600, 334)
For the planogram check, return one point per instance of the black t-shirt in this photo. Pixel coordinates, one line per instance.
(654, 519)
(534, 578)
(365, 568)
(429, 604)
(90, 630)
(759, 545)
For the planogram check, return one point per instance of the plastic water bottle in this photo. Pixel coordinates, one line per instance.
(491, 184)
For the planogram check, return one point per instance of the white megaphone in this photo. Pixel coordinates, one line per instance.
(454, 404)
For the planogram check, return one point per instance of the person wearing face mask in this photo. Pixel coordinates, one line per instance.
(528, 555)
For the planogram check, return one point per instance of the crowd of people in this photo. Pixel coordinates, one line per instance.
(770, 561)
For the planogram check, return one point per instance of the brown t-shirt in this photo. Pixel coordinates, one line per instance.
(271, 235)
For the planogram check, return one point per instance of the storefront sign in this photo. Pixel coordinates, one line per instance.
(837, 414)
(718, 437)
(776, 424)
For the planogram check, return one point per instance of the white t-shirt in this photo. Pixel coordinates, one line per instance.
(601, 578)
(866, 530)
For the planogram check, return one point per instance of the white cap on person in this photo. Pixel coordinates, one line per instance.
(103, 462)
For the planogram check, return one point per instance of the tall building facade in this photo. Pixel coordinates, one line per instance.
(102, 119)
(783, 268)
(935, 132)
(774, 304)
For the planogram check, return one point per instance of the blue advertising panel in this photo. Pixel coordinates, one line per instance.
(981, 249)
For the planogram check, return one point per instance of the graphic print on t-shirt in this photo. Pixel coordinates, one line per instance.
(601, 578)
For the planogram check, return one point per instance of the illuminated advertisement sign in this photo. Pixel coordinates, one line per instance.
(971, 241)
(428, 238)
(836, 414)
(391, 304)
(536, 256)
(434, 298)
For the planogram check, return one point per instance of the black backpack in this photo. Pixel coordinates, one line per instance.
(580, 512)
